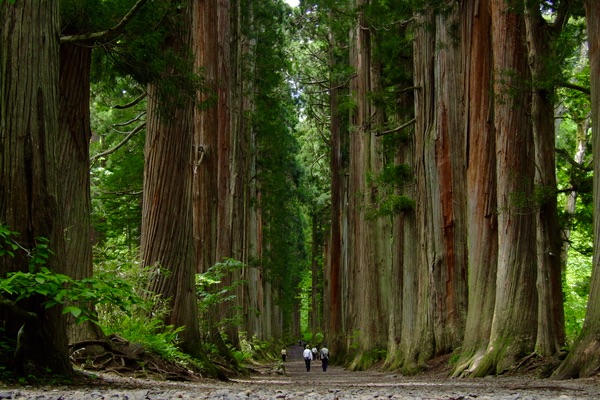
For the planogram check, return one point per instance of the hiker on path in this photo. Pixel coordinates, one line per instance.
(324, 354)
(315, 353)
(283, 354)
(307, 354)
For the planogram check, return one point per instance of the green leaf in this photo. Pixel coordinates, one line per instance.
(75, 311)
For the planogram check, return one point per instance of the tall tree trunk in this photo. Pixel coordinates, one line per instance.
(403, 237)
(583, 360)
(75, 65)
(440, 165)
(333, 299)
(316, 315)
(513, 330)
(417, 331)
(481, 205)
(31, 198)
(448, 202)
(540, 37)
(206, 149)
(167, 240)
(366, 320)
(213, 180)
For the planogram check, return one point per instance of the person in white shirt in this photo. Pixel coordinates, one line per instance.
(283, 354)
(324, 355)
(307, 354)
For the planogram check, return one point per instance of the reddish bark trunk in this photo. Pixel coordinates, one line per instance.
(481, 171)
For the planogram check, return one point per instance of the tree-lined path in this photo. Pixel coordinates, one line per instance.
(411, 181)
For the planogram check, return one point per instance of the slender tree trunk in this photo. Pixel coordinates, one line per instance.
(31, 196)
(481, 205)
(316, 316)
(583, 360)
(333, 312)
(403, 237)
(205, 140)
(570, 205)
(417, 331)
(75, 65)
(551, 330)
(514, 324)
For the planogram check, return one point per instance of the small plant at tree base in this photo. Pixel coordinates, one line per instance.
(210, 291)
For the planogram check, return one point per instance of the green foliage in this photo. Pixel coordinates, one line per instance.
(211, 292)
(8, 246)
(117, 178)
(576, 285)
(386, 200)
(279, 175)
(143, 321)
(59, 289)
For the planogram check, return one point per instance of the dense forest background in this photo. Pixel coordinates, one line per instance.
(401, 179)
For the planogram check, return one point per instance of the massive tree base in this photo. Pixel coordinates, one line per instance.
(582, 361)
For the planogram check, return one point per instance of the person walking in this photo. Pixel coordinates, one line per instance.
(315, 353)
(307, 354)
(324, 355)
(283, 354)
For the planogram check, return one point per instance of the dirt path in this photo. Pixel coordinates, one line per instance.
(338, 383)
(294, 382)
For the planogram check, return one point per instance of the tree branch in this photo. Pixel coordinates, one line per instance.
(118, 146)
(96, 36)
(397, 129)
(562, 16)
(131, 104)
(573, 86)
(131, 121)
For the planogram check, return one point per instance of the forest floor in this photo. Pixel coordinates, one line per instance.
(292, 381)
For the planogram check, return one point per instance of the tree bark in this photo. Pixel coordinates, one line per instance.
(167, 241)
(75, 66)
(205, 141)
(481, 203)
(440, 169)
(334, 315)
(31, 198)
(448, 191)
(366, 311)
(514, 323)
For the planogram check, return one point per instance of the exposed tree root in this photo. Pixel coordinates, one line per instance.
(120, 356)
